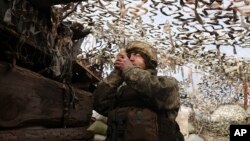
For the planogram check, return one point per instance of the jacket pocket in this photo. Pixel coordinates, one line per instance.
(141, 125)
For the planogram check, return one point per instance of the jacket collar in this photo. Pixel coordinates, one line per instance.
(152, 71)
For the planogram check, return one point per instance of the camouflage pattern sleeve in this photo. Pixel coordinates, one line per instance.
(164, 89)
(105, 92)
(114, 79)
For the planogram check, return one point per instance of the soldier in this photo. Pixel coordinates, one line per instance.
(140, 105)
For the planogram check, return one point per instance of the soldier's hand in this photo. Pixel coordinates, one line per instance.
(122, 62)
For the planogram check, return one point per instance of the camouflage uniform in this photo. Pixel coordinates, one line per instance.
(136, 95)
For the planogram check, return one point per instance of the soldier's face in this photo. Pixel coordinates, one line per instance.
(137, 60)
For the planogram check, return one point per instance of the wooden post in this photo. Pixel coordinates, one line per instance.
(245, 94)
(29, 99)
(57, 134)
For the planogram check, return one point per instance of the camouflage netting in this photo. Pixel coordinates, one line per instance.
(213, 36)
(198, 32)
(45, 29)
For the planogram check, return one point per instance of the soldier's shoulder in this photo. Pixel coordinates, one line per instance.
(168, 78)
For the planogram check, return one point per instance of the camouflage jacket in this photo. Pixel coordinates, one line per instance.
(164, 90)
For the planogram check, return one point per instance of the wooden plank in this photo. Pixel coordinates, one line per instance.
(27, 98)
(58, 134)
(90, 72)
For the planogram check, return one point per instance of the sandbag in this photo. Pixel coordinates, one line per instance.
(98, 127)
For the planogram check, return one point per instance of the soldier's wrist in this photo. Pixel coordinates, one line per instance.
(114, 79)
